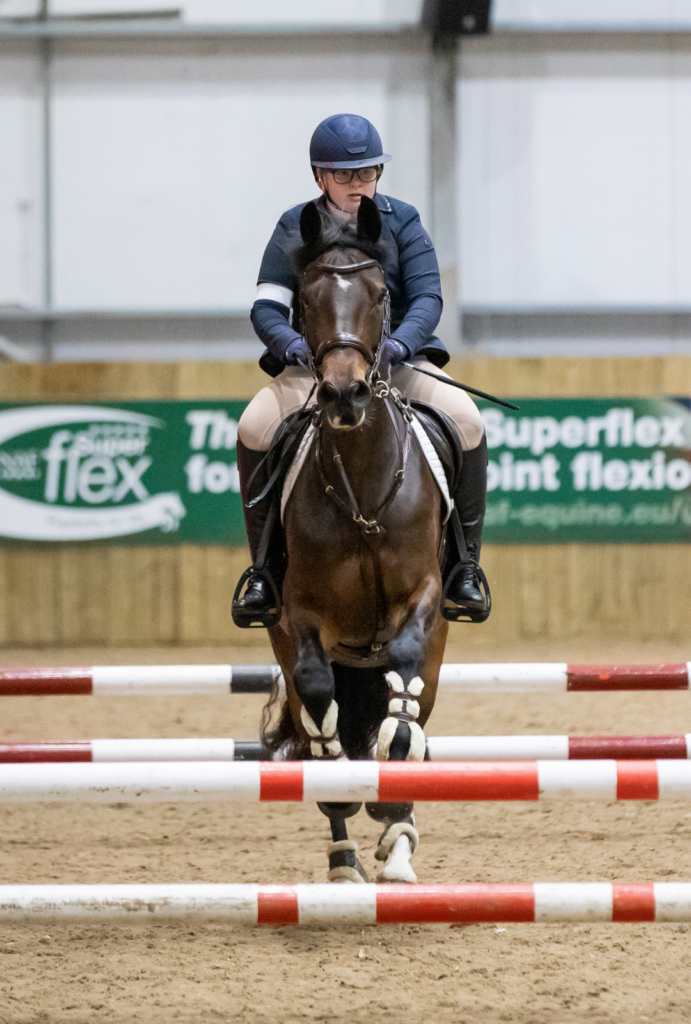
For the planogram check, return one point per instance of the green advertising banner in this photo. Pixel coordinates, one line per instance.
(128, 472)
(560, 471)
(589, 470)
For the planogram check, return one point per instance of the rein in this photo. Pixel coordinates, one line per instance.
(371, 527)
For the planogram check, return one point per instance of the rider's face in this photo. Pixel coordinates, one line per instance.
(346, 196)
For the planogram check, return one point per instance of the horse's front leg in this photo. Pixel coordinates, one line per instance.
(314, 684)
(415, 655)
(315, 687)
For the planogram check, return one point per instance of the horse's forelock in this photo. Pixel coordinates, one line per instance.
(336, 236)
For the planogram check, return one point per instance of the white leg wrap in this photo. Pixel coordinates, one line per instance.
(328, 725)
(418, 745)
(387, 731)
(414, 687)
(402, 708)
(399, 706)
(323, 742)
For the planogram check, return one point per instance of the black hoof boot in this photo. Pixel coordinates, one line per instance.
(344, 863)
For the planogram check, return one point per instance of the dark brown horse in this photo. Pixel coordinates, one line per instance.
(361, 637)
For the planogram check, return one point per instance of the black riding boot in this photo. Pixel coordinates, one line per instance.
(260, 604)
(467, 586)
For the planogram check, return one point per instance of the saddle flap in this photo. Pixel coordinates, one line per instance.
(443, 438)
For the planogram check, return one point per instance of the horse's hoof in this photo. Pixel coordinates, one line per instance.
(397, 877)
(398, 867)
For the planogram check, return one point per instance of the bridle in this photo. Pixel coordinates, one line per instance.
(371, 528)
(341, 339)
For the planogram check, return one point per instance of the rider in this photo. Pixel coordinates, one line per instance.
(347, 163)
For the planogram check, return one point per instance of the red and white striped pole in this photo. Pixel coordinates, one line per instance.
(138, 680)
(345, 781)
(325, 904)
(439, 748)
(558, 677)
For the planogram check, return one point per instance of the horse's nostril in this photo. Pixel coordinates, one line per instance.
(327, 394)
(359, 394)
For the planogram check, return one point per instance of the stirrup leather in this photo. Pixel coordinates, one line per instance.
(453, 612)
(257, 618)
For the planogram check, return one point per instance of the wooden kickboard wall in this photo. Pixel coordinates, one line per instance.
(116, 596)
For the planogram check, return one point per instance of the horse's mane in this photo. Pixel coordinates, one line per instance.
(336, 236)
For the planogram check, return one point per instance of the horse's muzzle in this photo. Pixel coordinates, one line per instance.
(344, 405)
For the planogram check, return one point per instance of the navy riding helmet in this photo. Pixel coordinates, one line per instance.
(346, 141)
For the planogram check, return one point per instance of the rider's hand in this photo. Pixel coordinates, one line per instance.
(297, 353)
(395, 351)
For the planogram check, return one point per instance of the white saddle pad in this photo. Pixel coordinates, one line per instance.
(427, 449)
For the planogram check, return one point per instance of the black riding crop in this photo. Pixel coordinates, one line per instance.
(463, 387)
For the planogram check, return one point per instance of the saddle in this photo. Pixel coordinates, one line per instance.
(280, 457)
(444, 437)
(453, 552)
(272, 547)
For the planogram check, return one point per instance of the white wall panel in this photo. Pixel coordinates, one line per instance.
(298, 12)
(20, 177)
(87, 8)
(243, 12)
(574, 169)
(19, 8)
(590, 13)
(171, 168)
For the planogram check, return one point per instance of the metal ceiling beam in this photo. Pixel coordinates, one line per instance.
(84, 28)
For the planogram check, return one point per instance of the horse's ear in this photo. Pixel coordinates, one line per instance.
(368, 220)
(310, 224)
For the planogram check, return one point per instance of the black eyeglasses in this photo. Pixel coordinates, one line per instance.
(344, 175)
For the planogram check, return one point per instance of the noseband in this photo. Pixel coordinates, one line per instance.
(342, 339)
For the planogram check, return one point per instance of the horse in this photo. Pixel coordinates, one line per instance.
(361, 636)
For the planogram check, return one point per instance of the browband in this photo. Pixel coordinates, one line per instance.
(347, 268)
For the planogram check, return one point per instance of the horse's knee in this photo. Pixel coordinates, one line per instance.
(314, 684)
(407, 650)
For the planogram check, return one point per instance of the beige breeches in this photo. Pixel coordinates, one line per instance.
(290, 389)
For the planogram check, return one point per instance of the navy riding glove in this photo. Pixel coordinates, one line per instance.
(297, 353)
(395, 352)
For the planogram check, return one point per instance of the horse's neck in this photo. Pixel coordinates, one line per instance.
(370, 455)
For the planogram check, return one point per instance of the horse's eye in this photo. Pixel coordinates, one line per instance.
(382, 296)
